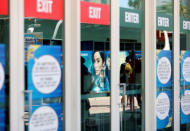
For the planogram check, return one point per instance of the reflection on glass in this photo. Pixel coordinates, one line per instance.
(131, 60)
(98, 1)
(164, 6)
(132, 4)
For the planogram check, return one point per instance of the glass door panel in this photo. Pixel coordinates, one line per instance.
(95, 65)
(43, 65)
(164, 44)
(131, 69)
(184, 64)
(4, 66)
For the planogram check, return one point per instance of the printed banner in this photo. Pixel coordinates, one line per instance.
(185, 68)
(46, 118)
(164, 109)
(44, 71)
(44, 9)
(2, 73)
(4, 7)
(163, 69)
(95, 67)
(185, 106)
(95, 13)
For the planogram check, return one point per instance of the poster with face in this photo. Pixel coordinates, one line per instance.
(46, 118)
(95, 70)
(185, 68)
(44, 71)
(185, 106)
(164, 109)
(163, 69)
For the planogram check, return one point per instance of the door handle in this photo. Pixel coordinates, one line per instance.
(29, 92)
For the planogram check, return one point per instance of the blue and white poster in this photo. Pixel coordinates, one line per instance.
(44, 71)
(2, 87)
(46, 118)
(164, 109)
(185, 68)
(185, 106)
(96, 64)
(2, 73)
(163, 69)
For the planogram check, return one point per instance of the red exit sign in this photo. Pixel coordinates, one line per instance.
(94, 13)
(4, 7)
(44, 9)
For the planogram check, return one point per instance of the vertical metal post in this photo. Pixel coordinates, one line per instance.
(176, 67)
(72, 65)
(16, 65)
(115, 121)
(150, 65)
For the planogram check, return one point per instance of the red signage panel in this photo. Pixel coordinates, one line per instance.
(4, 7)
(44, 9)
(94, 13)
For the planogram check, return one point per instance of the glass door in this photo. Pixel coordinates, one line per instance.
(43, 39)
(4, 66)
(95, 65)
(184, 65)
(164, 68)
(131, 65)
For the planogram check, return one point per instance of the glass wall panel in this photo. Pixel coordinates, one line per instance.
(43, 65)
(4, 66)
(95, 65)
(184, 64)
(164, 33)
(131, 65)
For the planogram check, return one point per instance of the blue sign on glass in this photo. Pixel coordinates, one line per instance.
(185, 68)
(2, 73)
(2, 119)
(44, 71)
(185, 106)
(46, 117)
(164, 109)
(163, 69)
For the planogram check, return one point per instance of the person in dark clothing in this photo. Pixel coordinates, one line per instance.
(84, 72)
(125, 74)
